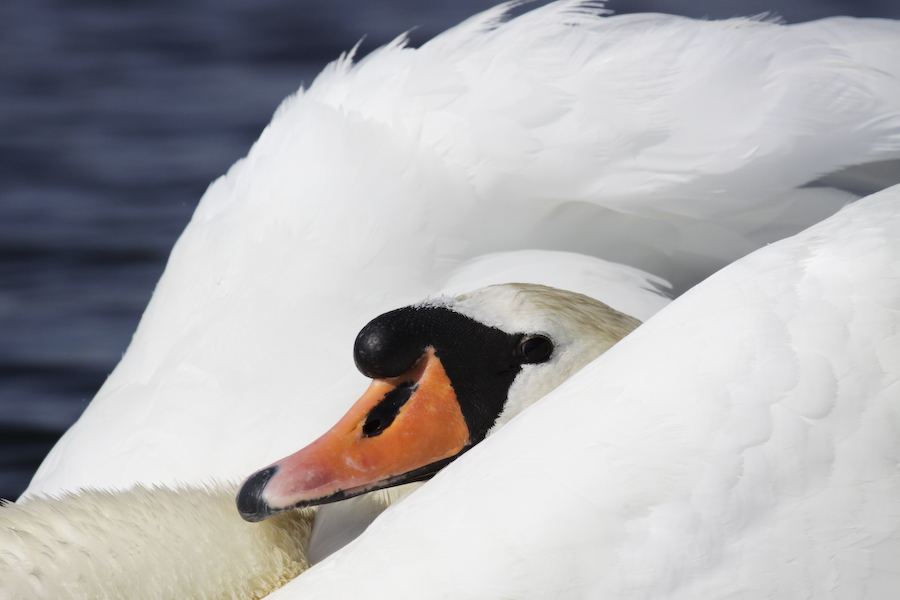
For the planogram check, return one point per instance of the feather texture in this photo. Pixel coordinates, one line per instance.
(146, 543)
(668, 144)
(748, 426)
(742, 443)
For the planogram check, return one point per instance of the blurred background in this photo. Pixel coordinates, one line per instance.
(115, 115)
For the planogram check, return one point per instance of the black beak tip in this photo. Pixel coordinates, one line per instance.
(250, 502)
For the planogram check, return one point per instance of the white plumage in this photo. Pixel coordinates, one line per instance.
(717, 436)
(743, 443)
(147, 543)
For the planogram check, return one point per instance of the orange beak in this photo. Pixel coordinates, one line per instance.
(395, 432)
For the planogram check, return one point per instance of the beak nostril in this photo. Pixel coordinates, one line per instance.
(373, 427)
(384, 413)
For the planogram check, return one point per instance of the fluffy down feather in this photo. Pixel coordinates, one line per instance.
(147, 543)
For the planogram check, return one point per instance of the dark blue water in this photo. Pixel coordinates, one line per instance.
(115, 116)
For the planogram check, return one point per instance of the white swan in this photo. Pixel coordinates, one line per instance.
(669, 144)
(503, 347)
(704, 468)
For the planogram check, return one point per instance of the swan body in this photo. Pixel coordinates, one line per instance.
(571, 149)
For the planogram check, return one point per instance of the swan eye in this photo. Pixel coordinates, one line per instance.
(535, 349)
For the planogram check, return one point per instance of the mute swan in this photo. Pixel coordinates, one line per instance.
(671, 145)
(718, 455)
(104, 544)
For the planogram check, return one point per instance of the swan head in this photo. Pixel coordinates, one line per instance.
(446, 373)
